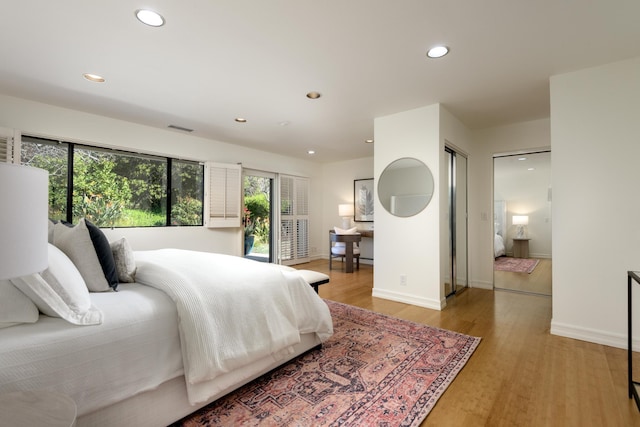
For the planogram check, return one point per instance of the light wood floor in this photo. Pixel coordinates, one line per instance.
(520, 374)
(537, 282)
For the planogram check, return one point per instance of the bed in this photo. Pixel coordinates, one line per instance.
(191, 328)
(498, 246)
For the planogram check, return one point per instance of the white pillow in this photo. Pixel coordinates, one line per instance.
(60, 291)
(124, 259)
(76, 243)
(15, 307)
(339, 230)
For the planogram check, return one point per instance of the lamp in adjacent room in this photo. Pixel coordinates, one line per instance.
(346, 212)
(521, 222)
(24, 198)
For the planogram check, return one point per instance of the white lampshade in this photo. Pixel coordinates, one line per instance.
(24, 199)
(345, 210)
(520, 220)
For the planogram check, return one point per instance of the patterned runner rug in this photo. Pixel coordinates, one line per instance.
(515, 265)
(374, 370)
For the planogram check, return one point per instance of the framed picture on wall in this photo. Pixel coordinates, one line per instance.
(363, 196)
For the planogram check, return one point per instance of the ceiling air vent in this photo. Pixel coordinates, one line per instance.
(180, 128)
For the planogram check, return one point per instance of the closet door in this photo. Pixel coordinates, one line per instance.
(456, 278)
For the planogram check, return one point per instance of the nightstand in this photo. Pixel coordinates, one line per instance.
(37, 408)
(521, 248)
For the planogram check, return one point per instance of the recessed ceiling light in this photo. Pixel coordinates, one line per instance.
(311, 152)
(149, 17)
(313, 95)
(93, 77)
(437, 52)
(369, 141)
(522, 158)
(531, 169)
(240, 120)
(284, 123)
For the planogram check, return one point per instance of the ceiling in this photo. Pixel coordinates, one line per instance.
(216, 60)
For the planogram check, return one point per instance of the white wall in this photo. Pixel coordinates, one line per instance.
(457, 137)
(49, 121)
(595, 134)
(408, 246)
(526, 136)
(337, 188)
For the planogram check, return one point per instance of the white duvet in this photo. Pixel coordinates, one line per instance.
(232, 311)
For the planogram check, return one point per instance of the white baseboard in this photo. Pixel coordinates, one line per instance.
(409, 299)
(592, 335)
(542, 256)
(481, 285)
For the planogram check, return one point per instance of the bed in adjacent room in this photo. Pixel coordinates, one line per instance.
(192, 327)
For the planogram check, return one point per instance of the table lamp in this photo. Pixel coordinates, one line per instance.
(520, 221)
(346, 212)
(23, 220)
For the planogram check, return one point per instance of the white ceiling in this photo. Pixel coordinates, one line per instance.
(215, 60)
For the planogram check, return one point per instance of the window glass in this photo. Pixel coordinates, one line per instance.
(186, 192)
(116, 189)
(51, 156)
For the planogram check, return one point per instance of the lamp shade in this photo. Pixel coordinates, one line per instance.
(520, 220)
(23, 220)
(345, 210)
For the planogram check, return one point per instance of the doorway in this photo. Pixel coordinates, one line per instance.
(456, 277)
(522, 222)
(258, 215)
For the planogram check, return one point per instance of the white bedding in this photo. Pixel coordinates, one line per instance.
(498, 246)
(136, 348)
(246, 310)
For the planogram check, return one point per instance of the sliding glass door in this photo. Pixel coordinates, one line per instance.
(258, 215)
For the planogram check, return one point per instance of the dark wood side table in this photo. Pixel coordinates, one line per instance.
(521, 248)
(633, 385)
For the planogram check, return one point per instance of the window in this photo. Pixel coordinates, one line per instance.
(115, 188)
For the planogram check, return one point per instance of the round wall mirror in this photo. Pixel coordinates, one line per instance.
(405, 187)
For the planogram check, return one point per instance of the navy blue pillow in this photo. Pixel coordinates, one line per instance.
(105, 256)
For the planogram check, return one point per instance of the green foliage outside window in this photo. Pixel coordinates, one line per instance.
(257, 206)
(117, 189)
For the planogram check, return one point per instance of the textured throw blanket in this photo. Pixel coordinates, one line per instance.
(232, 311)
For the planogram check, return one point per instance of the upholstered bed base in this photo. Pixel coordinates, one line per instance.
(168, 403)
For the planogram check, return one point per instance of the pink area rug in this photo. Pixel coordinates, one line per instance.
(515, 265)
(374, 370)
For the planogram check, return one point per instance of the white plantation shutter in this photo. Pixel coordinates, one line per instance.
(6, 145)
(294, 220)
(223, 195)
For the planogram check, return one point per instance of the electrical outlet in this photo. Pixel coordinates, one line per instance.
(403, 280)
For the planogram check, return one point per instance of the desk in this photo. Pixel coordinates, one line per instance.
(366, 233)
(349, 240)
(634, 386)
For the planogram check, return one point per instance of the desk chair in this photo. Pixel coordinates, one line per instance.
(338, 248)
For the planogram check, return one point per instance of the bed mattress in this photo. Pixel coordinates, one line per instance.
(135, 349)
